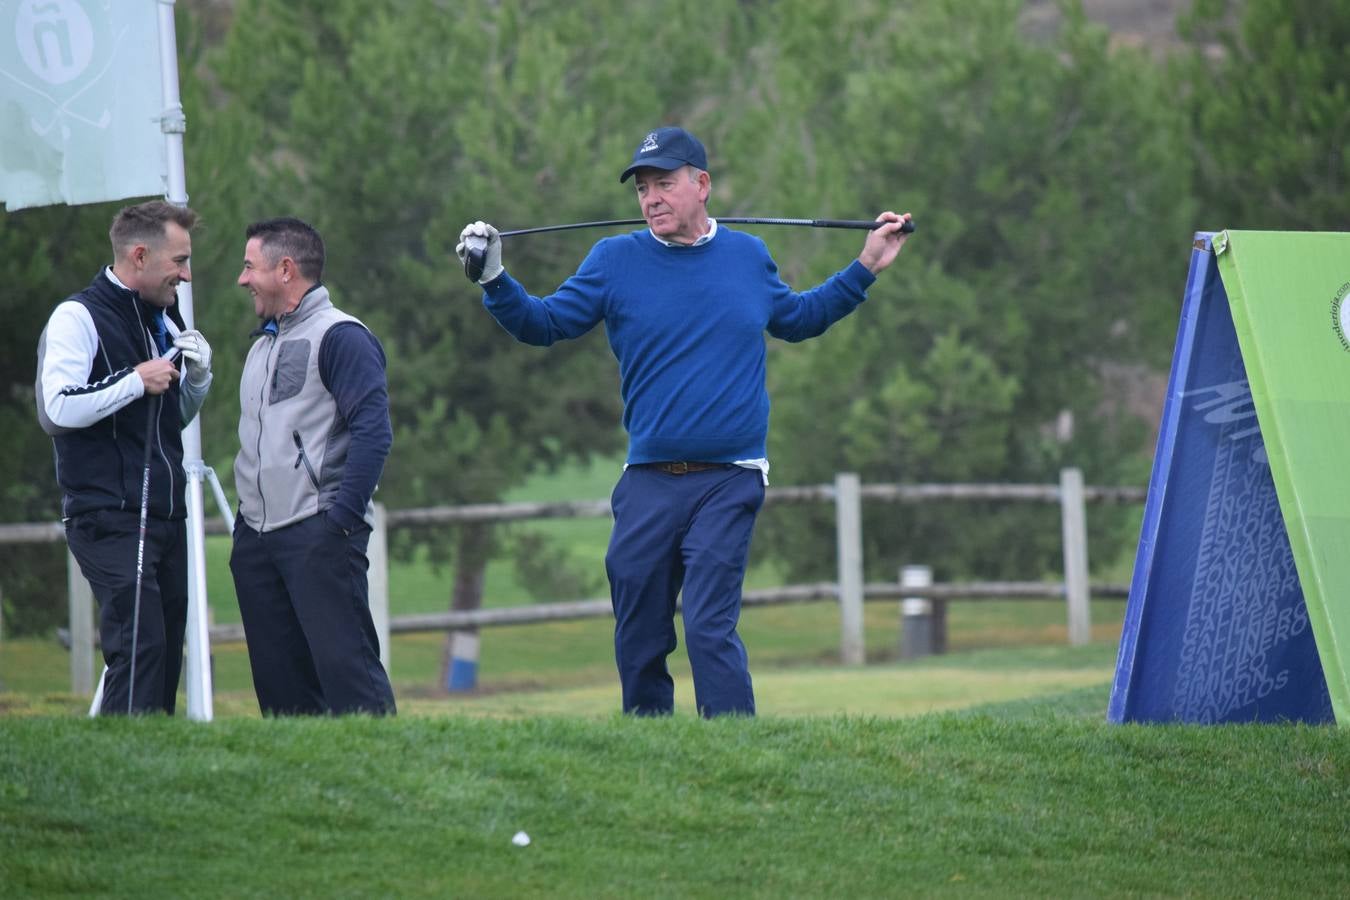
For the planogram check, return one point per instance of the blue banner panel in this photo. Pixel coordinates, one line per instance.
(1216, 629)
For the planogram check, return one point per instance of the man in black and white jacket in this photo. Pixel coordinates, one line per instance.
(106, 384)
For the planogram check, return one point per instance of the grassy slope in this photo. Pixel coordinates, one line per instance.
(1030, 799)
(1023, 791)
(890, 689)
(567, 669)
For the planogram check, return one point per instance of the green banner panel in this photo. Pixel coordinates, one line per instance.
(1289, 293)
(81, 100)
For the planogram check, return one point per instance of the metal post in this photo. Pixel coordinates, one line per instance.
(1073, 513)
(80, 597)
(940, 626)
(96, 705)
(848, 522)
(916, 613)
(378, 554)
(173, 124)
(197, 660)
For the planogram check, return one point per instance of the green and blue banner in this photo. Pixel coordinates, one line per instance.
(81, 102)
(1290, 297)
(1239, 608)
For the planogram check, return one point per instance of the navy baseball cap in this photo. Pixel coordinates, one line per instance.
(667, 148)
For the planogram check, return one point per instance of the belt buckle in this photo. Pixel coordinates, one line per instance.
(678, 468)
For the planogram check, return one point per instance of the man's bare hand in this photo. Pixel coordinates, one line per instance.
(158, 375)
(884, 243)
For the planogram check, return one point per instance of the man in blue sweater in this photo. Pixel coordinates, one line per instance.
(685, 304)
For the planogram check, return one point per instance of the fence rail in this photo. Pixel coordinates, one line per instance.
(850, 591)
(600, 608)
(52, 532)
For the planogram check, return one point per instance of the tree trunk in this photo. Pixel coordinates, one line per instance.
(459, 658)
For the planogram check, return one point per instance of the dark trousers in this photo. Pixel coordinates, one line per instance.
(693, 532)
(304, 601)
(105, 542)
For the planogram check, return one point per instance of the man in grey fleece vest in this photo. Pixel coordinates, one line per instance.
(314, 433)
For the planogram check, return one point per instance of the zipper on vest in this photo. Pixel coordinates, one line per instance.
(262, 404)
(303, 458)
(151, 351)
(159, 421)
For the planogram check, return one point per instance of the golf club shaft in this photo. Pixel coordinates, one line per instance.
(475, 258)
(152, 407)
(858, 224)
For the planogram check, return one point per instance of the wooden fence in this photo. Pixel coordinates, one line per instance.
(923, 602)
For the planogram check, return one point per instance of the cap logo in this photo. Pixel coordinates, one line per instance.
(649, 144)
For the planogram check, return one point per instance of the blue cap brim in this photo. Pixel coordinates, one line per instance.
(669, 163)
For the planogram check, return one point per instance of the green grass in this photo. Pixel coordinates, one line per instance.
(545, 660)
(886, 689)
(1019, 800)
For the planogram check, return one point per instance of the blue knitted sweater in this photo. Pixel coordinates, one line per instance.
(687, 327)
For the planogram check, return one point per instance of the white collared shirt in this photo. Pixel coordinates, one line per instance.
(712, 230)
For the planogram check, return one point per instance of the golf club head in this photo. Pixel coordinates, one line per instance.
(475, 257)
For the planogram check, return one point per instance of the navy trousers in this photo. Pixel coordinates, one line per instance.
(104, 543)
(688, 531)
(304, 602)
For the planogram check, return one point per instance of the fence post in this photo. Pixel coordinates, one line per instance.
(917, 632)
(848, 523)
(378, 581)
(1073, 514)
(80, 597)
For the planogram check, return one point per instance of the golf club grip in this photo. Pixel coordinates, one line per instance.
(868, 224)
(474, 261)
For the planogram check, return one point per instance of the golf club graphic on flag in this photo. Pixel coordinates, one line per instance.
(80, 102)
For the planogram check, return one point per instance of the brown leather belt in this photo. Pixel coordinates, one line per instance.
(684, 468)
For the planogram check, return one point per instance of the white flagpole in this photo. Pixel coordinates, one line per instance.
(173, 124)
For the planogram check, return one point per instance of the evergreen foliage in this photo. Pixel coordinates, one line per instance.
(1056, 182)
(1268, 99)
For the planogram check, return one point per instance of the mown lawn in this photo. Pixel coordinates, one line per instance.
(1029, 799)
(569, 666)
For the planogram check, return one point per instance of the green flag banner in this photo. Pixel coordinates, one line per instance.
(1289, 294)
(80, 102)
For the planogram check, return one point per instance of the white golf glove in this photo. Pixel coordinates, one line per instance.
(482, 240)
(196, 356)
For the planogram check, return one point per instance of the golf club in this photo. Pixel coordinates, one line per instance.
(475, 256)
(152, 413)
(152, 409)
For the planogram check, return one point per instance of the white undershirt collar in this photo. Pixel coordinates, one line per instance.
(112, 276)
(712, 230)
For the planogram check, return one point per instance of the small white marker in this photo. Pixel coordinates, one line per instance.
(521, 839)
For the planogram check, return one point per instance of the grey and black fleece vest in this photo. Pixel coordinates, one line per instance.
(292, 443)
